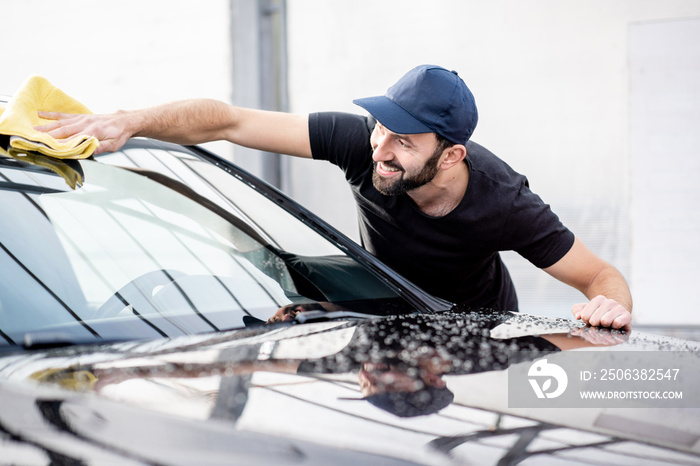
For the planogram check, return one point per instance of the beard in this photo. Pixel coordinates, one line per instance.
(405, 182)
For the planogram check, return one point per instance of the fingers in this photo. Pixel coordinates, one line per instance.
(600, 336)
(63, 126)
(286, 313)
(59, 120)
(54, 115)
(623, 321)
(603, 312)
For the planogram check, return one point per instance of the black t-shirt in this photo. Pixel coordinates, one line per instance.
(454, 257)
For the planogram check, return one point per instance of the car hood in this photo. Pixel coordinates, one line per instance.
(325, 392)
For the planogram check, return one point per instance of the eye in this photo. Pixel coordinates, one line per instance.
(403, 143)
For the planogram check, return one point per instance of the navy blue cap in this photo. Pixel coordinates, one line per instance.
(427, 99)
(428, 400)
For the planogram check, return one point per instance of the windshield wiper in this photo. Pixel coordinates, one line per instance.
(43, 340)
(324, 316)
(57, 339)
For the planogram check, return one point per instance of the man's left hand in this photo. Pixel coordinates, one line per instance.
(603, 312)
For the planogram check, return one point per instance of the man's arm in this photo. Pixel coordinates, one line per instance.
(610, 302)
(189, 122)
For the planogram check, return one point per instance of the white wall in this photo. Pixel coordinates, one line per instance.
(118, 55)
(551, 79)
(121, 54)
(665, 163)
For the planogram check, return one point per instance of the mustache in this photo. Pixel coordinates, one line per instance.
(390, 164)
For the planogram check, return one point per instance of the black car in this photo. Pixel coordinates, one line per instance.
(158, 305)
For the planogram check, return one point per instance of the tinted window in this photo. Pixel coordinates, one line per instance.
(159, 243)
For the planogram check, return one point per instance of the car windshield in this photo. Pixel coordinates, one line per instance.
(156, 241)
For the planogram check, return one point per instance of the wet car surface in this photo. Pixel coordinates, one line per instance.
(407, 389)
(160, 306)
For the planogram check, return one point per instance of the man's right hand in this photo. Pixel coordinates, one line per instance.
(110, 130)
(188, 122)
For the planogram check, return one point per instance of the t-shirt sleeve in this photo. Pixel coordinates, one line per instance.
(534, 231)
(343, 140)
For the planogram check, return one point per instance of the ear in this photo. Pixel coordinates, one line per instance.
(452, 156)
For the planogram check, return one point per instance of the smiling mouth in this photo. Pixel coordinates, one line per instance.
(386, 170)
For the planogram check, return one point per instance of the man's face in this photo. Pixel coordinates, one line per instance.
(377, 378)
(381, 378)
(403, 162)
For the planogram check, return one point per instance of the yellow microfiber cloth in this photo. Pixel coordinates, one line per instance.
(19, 117)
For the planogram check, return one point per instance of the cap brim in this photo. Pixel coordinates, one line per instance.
(392, 116)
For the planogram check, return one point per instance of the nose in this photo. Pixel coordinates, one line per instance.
(380, 147)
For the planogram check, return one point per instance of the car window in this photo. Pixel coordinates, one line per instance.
(157, 242)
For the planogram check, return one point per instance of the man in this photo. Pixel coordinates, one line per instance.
(433, 205)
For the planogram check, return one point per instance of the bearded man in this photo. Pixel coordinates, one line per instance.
(433, 205)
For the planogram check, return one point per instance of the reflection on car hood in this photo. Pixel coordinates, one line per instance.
(414, 388)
